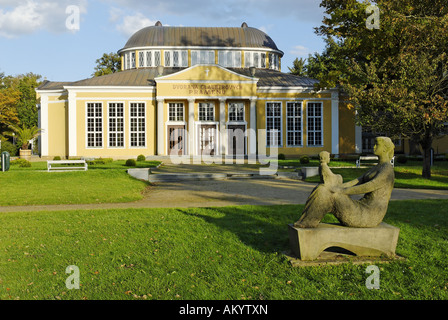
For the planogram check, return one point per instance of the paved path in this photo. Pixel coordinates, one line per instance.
(217, 193)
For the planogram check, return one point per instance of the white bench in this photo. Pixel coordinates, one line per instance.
(370, 158)
(66, 165)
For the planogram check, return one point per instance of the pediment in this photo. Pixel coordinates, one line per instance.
(209, 73)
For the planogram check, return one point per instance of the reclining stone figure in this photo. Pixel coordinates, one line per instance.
(333, 196)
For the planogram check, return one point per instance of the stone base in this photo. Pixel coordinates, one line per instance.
(308, 243)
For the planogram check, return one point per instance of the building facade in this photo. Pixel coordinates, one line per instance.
(194, 91)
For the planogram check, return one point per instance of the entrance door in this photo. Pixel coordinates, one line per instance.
(207, 139)
(176, 140)
(237, 140)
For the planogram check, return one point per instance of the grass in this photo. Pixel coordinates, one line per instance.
(102, 183)
(406, 176)
(207, 253)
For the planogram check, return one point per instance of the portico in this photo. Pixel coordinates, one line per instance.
(207, 115)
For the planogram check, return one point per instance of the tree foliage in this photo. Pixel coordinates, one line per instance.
(107, 64)
(396, 75)
(298, 67)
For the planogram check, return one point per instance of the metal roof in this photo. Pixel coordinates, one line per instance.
(146, 77)
(160, 36)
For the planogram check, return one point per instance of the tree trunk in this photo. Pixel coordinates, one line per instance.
(426, 146)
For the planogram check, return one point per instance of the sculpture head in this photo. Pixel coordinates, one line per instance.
(324, 157)
(384, 148)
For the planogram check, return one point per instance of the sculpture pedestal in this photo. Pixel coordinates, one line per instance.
(308, 243)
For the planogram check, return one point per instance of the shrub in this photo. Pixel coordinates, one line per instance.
(304, 159)
(57, 158)
(9, 147)
(402, 159)
(131, 163)
(105, 160)
(141, 158)
(21, 163)
(281, 156)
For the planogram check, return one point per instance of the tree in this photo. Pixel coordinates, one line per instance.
(396, 75)
(26, 106)
(298, 67)
(9, 97)
(107, 64)
(25, 134)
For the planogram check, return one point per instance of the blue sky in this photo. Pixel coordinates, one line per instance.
(34, 36)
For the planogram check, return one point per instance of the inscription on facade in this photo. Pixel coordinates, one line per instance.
(207, 89)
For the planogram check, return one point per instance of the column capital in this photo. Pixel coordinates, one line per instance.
(191, 100)
(221, 100)
(160, 100)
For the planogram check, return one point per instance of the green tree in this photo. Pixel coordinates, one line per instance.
(298, 67)
(9, 96)
(395, 75)
(107, 64)
(26, 106)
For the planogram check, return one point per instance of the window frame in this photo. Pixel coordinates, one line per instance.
(280, 132)
(95, 132)
(294, 130)
(209, 109)
(138, 132)
(176, 111)
(197, 55)
(236, 118)
(312, 132)
(115, 132)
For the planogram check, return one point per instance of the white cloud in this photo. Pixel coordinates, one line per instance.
(300, 51)
(132, 23)
(28, 16)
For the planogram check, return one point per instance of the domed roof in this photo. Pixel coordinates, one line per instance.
(160, 36)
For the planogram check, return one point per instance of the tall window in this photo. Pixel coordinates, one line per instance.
(229, 59)
(274, 124)
(132, 60)
(137, 125)
(116, 125)
(273, 61)
(294, 123)
(206, 112)
(176, 112)
(314, 116)
(94, 125)
(202, 57)
(236, 111)
(254, 59)
(176, 58)
(141, 59)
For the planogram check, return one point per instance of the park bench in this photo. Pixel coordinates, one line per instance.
(66, 165)
(370, 158)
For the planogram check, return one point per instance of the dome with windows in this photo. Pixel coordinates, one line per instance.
(168, 46)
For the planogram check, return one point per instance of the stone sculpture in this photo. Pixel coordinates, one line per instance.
(333, 196)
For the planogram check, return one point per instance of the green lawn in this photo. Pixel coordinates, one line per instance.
(209, 253)
(102, 183)
(408, 175)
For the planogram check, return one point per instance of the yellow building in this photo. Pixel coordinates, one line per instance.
(194, 91)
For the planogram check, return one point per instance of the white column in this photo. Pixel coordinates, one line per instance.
(253, 127)
(160, 127)
(72, 125)
(191, 131)
(335, 122)
(222, 125)
(43, 124)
